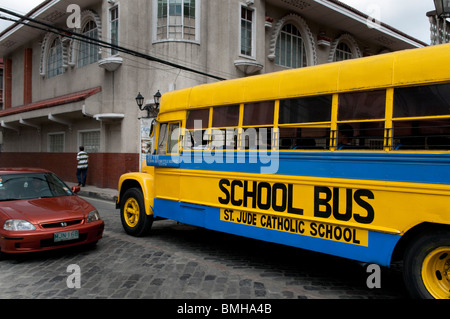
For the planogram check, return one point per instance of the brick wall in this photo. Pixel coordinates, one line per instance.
(104, 168)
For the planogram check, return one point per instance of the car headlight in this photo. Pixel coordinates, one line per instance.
(18, 224)
(93, 216)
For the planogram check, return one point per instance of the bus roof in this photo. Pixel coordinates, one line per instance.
(400, 68)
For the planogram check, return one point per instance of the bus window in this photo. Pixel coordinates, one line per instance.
(168, 138)
(422, 135)
(225, 121)
(418, 101)
(254, 138)
(362, 105)
(360, 136)
(197, 119)
(364, 108)
(413, 129)
(226, 116)
(303, 138)
(198, 140)
(221, 139)
(173, 138)
(260, 113)
(162, 139)
(258, 123)
(196, 124)
(305, 110)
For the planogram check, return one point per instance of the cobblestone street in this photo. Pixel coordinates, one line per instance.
(179, 261)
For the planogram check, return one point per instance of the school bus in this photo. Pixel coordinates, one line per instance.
(349, 158)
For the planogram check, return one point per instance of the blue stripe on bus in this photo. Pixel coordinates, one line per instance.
(379, 251)
(401, 167)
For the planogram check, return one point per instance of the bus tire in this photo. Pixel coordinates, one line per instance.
(135, 221)
(427, 266)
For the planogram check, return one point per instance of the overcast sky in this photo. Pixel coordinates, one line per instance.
(408, 16)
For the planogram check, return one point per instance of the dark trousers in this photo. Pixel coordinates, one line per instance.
(81, 175)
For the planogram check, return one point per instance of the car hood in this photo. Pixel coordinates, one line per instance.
(42, 210)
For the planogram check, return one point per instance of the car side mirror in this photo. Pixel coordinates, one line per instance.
(75, 189)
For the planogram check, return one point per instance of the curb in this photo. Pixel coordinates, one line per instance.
(95, 192)
(97, 195)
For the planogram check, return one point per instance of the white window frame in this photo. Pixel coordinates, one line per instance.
(116, 6)
(155, 25)
(86, 147)
(58, 65)
(49, 148)
(350, 42)
(294, 39)
(254, 23)
(90, 47)
(307, 36)
(342, 55)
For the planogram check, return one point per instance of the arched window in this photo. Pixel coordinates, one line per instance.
(55, 59)
(292, 43)
(290, 49)
(88, 52)
(343, 48)
(343, 52)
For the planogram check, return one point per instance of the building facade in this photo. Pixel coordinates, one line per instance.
(60, 93)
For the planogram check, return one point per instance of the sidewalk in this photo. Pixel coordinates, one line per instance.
(96, 192)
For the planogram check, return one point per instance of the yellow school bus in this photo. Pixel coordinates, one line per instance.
(349, 158)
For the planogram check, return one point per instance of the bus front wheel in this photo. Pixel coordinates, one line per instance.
(427, 266)
(132, 213)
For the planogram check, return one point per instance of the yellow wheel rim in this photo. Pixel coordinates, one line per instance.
(131, 212)
(436, 273)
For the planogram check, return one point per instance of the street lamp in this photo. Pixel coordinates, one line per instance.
(152, 109)
(440, 26)
(442, 8)
(157, 98)
(140, 100)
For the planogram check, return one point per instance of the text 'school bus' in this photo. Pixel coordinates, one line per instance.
(350, 159)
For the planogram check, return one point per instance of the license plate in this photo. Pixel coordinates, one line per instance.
(66, 235)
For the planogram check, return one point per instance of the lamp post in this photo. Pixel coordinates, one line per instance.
(152, 109)
(440, 29)
(147, 125)
(442, 8)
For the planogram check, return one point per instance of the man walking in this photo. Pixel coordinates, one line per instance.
(82, 166)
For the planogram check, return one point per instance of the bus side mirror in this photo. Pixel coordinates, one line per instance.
(152, 128)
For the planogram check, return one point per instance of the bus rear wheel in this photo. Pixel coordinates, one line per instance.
(135, 221)
(427, 267)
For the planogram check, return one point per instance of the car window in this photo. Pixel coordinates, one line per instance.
(31, 185)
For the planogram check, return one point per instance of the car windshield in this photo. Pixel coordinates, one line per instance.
(31, 185)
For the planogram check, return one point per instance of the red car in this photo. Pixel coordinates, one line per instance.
(39, 212)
